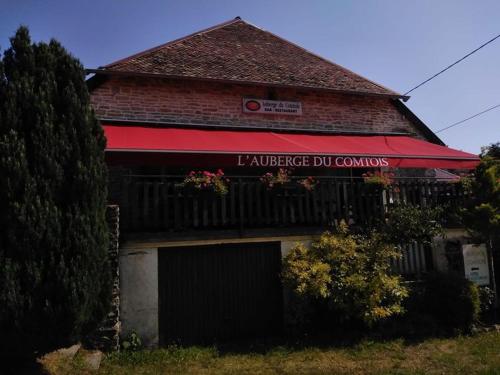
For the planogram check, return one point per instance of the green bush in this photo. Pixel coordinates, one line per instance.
(443, 303)
(481, 215)
(407, 223)
(347, 277)
(452, 300)
(487, 299)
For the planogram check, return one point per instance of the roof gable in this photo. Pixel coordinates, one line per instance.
(240, 52)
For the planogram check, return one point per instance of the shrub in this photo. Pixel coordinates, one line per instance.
(54, 277)
(481, 216)
(348, 274)
(487, 299)
(407, 223)
(445, 302)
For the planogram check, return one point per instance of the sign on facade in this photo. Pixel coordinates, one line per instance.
(476, 263)
(276, 107)
(310, 161)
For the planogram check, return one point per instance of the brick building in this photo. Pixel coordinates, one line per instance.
(196, 266)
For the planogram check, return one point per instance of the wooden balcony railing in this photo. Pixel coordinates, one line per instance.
(162, 204)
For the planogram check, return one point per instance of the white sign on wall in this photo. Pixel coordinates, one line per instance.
(274, 107)
(476, 263)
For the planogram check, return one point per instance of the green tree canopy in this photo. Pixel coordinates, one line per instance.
(54, 279)
(482, 213)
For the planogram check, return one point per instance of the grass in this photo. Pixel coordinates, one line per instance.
(478, 354)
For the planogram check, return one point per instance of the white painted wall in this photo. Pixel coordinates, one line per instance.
(139, 294)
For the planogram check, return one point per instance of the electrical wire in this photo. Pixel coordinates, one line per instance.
(467, 119)
(450, 66)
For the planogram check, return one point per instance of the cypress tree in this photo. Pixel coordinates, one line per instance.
(54, 278)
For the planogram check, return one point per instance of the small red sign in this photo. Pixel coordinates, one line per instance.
(252, 105)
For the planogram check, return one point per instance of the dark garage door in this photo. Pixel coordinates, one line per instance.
(220, 292)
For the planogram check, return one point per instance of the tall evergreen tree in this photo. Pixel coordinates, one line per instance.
(54, 279)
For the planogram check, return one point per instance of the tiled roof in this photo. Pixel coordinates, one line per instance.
(240, 52)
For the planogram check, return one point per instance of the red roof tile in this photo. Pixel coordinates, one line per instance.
(238, 51)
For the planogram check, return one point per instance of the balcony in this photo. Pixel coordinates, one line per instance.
(161, 204)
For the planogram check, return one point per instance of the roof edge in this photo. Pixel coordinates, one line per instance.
(255, 83)
(239, 19)
(152, 49)
(327, 60)
(419, 124)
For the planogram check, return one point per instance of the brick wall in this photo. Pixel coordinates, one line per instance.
(198, 103)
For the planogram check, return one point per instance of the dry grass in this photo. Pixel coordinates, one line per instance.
(57, 364)
(479, 354)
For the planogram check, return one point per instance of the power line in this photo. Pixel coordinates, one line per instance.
(455, 63)
(468, 118)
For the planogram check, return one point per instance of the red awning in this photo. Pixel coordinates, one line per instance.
(266, 148)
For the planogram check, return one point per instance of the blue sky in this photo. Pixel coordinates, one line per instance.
(396, 43)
